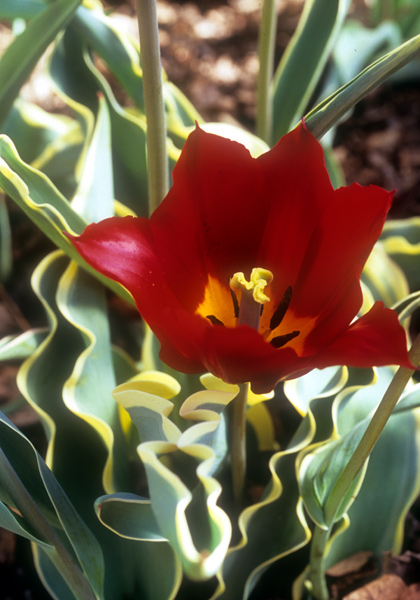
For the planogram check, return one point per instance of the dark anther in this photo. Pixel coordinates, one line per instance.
(235, 304)
(281, 310)
(214, 320)
(281, 340)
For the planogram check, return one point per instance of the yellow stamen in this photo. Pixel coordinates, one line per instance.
(260, 278)
(252, 295)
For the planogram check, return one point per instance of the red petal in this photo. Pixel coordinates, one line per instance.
(240, 354)
(212, 220)
(300, 190)
(329, 281)
(376, 339)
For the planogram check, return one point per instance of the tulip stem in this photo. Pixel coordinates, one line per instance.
(238, 442)
(266, 46)
(157, 157)
(316, 578)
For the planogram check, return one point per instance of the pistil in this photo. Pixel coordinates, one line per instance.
(252, 295)
(248, 312)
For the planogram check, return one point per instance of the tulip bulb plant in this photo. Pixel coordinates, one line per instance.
(264, 287)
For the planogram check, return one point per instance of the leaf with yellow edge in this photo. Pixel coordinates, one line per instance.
(384, 278)
(258, 416)
(210, 382)
(87, 391)
(317, 383)
(378, 513)
(401, 240)
(179, 467)
(271, 529)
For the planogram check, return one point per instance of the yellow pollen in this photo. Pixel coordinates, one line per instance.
(259, 279)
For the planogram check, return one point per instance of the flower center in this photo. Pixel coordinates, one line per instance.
(252, 295)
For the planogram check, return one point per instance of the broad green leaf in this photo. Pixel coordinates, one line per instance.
(303, 61)
(42, 375)
(21, 9)
(5, 242)
(13, 522)
(17, 62)
(319, 471)
(80, 465)
(128, 138)
(326, 114)
(409, 400)
(45, 508)
(180, 113)
(36, 195)
(94, 197)
(362, 44)
(321, 464)
(390, 486)
(261, 421)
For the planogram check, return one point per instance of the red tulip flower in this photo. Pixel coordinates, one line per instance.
(250, 268)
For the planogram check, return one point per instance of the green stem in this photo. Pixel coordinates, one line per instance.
(59, 555)
(351, 470)
(318, 585)
(238, 442)
(157, 157)
(266, 46)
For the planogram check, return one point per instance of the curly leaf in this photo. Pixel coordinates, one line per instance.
(44, 205)
(19, 347)
(401, 240)
(87, 392)
(179, 467)
(188, 516)
(32, 129)
(275, 526)
(131, 517)
(317, 383)
(384, 278)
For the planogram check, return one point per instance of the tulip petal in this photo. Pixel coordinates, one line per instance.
(376, 339)
(300, 190)
(329, 281)
(213, 218)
